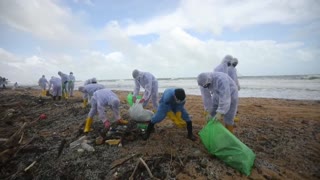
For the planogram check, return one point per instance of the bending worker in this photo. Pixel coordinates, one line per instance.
(147, 81)
(220, 96)
(173, 99)
(104, 98)
(43, 84)
(56, 89)
(88, 91)
(64, 81)
(90, 81)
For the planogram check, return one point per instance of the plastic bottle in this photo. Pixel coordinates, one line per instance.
(78, 142)
(87, 147)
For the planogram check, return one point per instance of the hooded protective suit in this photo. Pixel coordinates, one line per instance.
(101, 99)
(43, 82)
(232, 72)
(55, 82)
(220, 95)
(72, 79)
(147, 81)
(90, 81)
(89, 89)
(64, 81)
(223, 67)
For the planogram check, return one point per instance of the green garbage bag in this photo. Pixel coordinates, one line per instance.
(130, 97)
(220, 142)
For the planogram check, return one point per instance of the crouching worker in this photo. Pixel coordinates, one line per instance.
(100, 100)
(173, 99)
(220, 96)
(88, 91)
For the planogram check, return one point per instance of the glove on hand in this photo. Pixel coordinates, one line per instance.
(219, 117)
(107, 124)
(207, 116)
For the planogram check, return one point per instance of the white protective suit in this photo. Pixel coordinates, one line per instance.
(147, 81)
(89, 89)
(90, 81)
(43, 82)
(64, 81)
(101, 99)
(220, 96)
(72, 79)
(55, 82)
(223, 67)
(232, 72)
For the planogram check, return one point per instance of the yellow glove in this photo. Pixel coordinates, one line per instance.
(175, 119)
(207, 116)
(219, 116)
(85, 103)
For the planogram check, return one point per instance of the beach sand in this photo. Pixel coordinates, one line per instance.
(284, 135)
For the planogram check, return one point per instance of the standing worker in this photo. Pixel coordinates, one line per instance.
(43, 84)
(88, 91)
(220, 96)
(232, 72)
(72, 79)
(57, 87)
(147, 81)
(104, 98)
(64, 81)
(223, 67)
(172, 100)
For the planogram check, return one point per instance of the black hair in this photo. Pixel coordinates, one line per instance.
(180, 94)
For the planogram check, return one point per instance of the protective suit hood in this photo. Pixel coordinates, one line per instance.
(227, 59)
(135, 73)
(204, 78)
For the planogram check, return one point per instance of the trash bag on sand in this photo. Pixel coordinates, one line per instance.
(223, 144)
(137, 113)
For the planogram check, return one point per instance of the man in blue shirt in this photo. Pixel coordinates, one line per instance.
(173, 99)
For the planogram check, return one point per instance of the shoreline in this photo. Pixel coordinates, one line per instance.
(35, 87)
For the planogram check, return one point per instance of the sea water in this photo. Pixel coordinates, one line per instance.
(298, 87)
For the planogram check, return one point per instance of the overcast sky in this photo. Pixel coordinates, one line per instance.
(107, 39)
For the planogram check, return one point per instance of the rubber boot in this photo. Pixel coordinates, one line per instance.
(149, 130)
(230, 128)
(43, 93)
(59, 98)
(54, 98)
(190, 134)
(88, 125)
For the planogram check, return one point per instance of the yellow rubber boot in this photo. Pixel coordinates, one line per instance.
(88, 125)
(85, 103)
(43, 93)
(230, 128)
(236, 119)
(180, 123)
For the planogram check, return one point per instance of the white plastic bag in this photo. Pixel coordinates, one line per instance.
(137, 113)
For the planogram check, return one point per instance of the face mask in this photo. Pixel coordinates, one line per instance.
(179, 101)
(234, 64)
(206, 85)
(229, 63)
